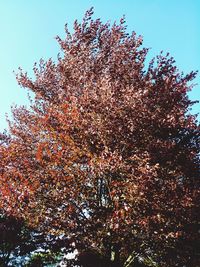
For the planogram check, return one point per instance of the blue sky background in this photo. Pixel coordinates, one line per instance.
(28, 28)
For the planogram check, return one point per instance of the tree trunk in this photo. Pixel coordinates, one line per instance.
(115, 256)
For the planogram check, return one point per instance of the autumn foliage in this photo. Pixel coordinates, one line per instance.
(108, 153)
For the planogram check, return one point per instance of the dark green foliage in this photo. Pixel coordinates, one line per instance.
(43, 259)
(15, 239)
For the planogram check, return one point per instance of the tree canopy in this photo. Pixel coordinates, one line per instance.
(108, 153)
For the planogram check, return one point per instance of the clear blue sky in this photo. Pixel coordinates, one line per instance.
(28, 28)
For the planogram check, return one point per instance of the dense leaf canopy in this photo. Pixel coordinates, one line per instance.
(108, 153)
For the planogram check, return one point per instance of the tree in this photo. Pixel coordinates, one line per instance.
(108, 153)
(19, 243)
(15, 239)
